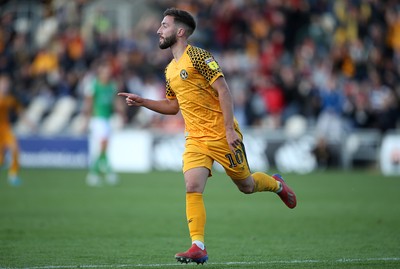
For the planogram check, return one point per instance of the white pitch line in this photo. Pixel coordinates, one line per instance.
(342, 260)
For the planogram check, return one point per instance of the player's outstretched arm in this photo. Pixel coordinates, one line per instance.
(164, 106)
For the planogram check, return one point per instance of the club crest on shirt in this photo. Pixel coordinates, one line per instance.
(212, 63)
(184, 74)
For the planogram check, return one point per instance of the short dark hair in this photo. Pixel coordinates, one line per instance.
(182, 16)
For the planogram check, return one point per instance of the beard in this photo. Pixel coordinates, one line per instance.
(168, 42)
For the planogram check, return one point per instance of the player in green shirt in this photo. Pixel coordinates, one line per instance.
(99, 107)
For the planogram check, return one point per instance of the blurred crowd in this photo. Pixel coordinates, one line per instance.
(335, 63)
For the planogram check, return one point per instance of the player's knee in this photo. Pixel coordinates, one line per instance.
(193, 187)
(246, 189)
(245, 185)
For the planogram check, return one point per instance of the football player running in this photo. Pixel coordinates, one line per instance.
(196, 86)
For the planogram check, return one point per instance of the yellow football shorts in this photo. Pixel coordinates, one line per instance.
(204, 153)
(7, 138)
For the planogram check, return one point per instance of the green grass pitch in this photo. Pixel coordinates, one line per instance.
(343, 220)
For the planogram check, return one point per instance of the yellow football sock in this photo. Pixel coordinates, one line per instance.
(196, 215)
(14, 166)
(264, 182)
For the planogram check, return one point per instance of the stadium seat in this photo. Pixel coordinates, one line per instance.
(77, 125)
(361, 145)
(59, 117)
(32, 115)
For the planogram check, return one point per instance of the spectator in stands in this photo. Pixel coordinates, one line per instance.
(383, 104)
(45, 62)
(330, 124)
(359, 109)
(273, 98)
(294, 99)
(250, 37)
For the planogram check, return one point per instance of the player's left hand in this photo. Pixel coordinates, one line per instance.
(233, 139)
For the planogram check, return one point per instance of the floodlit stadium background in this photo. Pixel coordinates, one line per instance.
(316, 84)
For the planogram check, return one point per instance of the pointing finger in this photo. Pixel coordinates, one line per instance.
(123, 94)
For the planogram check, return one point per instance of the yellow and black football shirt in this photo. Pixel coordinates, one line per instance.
(189, 80)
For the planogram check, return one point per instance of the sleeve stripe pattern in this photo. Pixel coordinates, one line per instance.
(198, 57)
(168, 91)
